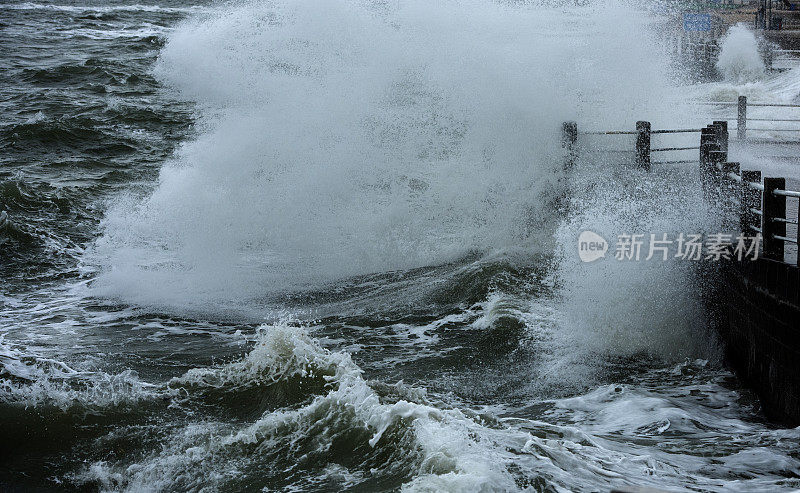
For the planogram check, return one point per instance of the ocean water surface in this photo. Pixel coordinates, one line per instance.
(331, 246)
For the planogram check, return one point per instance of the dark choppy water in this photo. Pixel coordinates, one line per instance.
(150, 340)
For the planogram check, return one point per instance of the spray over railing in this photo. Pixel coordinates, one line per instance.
(761, 206)
(742, 119)
(642, 150)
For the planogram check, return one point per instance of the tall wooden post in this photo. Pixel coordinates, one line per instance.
(769, 15)
(705, 138)
(722, 137)
(797, 238)
(569, 137)
(715, 153)
(643, 145)
(706, 145)
(729, 194)
(750, 200)
(741, 118)
(773, 217)
(716, 156)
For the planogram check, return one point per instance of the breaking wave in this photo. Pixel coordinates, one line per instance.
(335, 429)
(347, 138)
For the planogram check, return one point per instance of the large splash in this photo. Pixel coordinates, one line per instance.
(342, 137)
(645, 305)
(739, 60)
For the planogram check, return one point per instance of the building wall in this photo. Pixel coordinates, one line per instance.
(759, 321)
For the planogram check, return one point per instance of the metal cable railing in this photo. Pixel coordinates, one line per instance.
(742, 118)
(664, 149)
(762, 206)
(677, 131)
(762, 203)
(609, 132)
(642, 150)
(787, 193)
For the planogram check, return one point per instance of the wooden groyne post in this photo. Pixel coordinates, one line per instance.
(706, 138)
(741, 118)
(643, 145)
(713, 152)
(722, 137)
(569, 139)
(749, 203)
